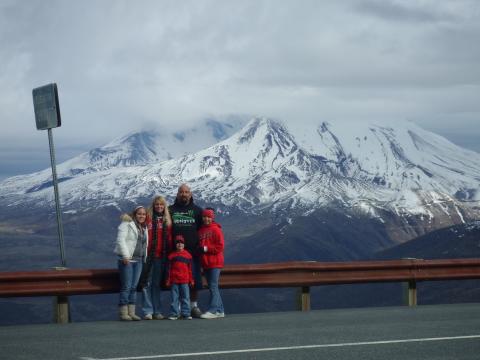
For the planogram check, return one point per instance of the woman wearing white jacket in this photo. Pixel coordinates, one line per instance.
(131, 245)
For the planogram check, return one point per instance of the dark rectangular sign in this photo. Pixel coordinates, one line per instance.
(47, 107)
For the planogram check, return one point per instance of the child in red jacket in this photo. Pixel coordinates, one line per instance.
(179, 278)
(211, 245)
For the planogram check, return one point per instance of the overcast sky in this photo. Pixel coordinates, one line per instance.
(120, 64)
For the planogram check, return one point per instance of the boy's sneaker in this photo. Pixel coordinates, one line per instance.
(196, 312)
(220, 315)
(208, 315)
(148, 317)
(173, 317)
(186, 318)
(158, 317)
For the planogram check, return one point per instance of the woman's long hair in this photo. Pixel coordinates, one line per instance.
(167, 220)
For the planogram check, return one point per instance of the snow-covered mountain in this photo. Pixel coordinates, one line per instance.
(383, 171)
(140, 148)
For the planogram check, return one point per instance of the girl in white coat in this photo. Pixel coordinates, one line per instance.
(131, 245)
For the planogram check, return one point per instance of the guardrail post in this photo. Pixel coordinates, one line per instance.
(410, 293)
(61, 311)
(61, 307)
(304, 298)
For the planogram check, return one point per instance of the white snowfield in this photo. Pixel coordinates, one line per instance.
(266, 164)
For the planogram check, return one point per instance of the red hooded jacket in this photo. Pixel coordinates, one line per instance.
(211, 237)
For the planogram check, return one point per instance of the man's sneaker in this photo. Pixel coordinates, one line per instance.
(173, 317)
(220, 315)
(208, 315)
(196, 312)
(186, 318)
(148, 317)
(158, 317)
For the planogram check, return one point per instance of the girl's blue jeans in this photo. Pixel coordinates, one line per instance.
(216, 304)
(129, 277)
(151, 303)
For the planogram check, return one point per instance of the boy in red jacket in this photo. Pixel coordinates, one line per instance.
(179, 278)
(211, 244)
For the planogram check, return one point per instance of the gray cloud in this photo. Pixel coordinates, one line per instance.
(405, 11)
(119, 65)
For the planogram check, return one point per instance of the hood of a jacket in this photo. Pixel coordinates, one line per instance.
(126, 217)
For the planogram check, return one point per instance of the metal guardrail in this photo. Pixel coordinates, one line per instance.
(302, 274)
(61, 282)
(306, 273)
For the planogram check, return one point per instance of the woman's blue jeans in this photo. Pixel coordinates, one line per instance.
(151, 303)
(216, 304)
(180, 300)
(129, 277)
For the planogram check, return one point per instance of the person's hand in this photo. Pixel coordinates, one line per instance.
(125, 261)
(205, 249)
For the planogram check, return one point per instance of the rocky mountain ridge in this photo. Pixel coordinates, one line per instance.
(397, 174)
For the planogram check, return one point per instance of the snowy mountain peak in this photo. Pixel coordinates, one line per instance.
(134, 149)
(266, 134)
(151, 145)
(400, 169)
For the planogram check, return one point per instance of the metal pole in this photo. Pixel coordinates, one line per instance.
(57, 198)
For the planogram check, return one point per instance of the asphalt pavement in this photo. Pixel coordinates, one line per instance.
(424, 332)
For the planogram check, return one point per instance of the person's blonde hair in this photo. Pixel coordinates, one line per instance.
(166, 213)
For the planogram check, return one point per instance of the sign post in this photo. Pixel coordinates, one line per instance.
(47, 116)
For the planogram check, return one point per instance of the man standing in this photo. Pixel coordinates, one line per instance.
(186, 220)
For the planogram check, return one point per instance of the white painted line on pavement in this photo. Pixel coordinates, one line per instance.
(384, 342)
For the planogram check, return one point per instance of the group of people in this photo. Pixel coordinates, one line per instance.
(171, 246)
